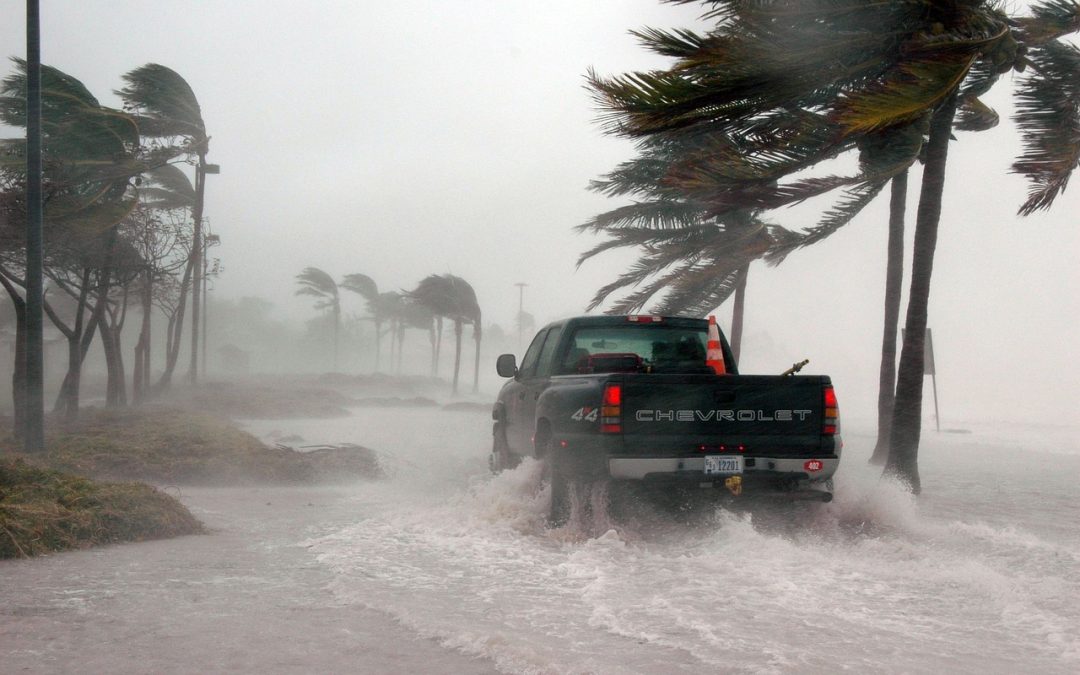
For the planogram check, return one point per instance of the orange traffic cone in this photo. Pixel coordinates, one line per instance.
(714, 356)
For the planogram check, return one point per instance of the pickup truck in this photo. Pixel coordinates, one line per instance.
(632, 398)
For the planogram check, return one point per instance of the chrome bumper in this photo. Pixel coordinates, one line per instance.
(637, 468)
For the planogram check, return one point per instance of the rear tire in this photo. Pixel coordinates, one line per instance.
(501, 458)
(555, 476)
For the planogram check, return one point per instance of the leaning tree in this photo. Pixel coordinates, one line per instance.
(315, 282)
(864, 70)
(165, 106)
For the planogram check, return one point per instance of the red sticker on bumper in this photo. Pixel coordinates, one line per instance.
(814, 465)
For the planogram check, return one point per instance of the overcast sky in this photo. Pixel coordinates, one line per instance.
(405, 138)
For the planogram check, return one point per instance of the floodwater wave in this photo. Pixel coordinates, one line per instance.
(975, 575)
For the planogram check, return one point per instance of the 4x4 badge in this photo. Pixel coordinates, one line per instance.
(587, 413)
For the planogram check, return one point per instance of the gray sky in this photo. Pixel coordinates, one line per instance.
(405, 138)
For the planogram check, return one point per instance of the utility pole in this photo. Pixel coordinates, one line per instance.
(34, 432)
(202, 170)
(521, 308)
(208, 241)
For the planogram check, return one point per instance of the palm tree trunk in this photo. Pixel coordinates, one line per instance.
(737, 313)
(337, 333)
(894, 279)
(438, 347)
(378, 344)
(476, 365)
(431, 339)
(459, 328)
(907, 410)
(400, 344)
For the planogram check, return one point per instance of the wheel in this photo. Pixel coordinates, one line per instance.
(555, 476)
(501, 458)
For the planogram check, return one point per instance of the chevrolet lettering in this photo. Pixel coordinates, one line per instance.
(660, 402)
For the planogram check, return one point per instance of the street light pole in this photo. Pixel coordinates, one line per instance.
(521, 308)
(34, 395)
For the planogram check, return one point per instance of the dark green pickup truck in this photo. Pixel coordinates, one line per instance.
(632, 398)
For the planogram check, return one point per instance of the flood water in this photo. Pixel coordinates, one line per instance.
(442, 567)
(979, 574)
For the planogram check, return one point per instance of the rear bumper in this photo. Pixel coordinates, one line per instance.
(693, 468)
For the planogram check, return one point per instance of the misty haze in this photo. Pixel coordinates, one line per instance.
(627, 336)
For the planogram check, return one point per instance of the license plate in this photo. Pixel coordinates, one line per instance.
(723, 464)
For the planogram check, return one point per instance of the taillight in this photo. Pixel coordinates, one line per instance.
(611, 410)
(831, 421)
(641, 318)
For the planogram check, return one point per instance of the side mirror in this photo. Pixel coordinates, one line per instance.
(506, 365)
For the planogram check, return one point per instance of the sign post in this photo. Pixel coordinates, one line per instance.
(929, 368)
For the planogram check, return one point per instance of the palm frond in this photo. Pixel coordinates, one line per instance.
(362, 284)
(974, 115)
(840, 214)
(314, 281)
(1049, 20)
(167, 187)
(905, 94)
(165, 102)
(1048, 115)
(659, 214)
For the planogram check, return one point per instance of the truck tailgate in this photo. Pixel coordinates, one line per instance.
(751, 414)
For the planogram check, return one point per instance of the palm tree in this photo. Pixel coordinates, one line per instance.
(366, 287)
(448, 296)
(90, 159)
(870, 70)
(313, 281)
(697, 259)
(408, 313)
(164, 189)
(165, 106)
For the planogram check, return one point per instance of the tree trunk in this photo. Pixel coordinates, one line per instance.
(907, 410)
(177, 327)
(459, 328)
(141, 376)
(737, 313)
(400, 344)
(378, 343)
(79, 341)
(337, 332)
(431, 339)
(894, 279)
(438, 346)
(18, 371)
(476, 366)
(115, 387)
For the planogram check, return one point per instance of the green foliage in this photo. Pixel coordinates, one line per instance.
(89, 151)
(315, 282)
(361, 284)
(448, 296)
(1048, 115)
(164, 104)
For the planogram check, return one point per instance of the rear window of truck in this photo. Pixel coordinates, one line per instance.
(634, 349)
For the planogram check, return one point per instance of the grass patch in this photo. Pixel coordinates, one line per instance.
(171, 446)
(168, 446)
(42, 511)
